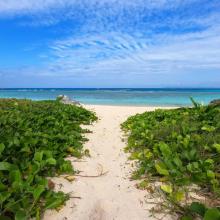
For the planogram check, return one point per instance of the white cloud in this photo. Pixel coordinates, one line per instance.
(121, 54)
(32, 6)
(124, 38)
(29, 6)
(93, 7)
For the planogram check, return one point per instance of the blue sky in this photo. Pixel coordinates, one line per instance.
(110, 43)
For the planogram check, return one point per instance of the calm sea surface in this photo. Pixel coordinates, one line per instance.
(150, 97)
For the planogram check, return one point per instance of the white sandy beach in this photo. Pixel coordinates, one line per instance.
(110, 196)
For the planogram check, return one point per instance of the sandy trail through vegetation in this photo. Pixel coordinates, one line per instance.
(110, 196)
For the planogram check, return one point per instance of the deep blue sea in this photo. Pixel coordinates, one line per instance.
(136, 97)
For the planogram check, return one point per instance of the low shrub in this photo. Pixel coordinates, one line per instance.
(35, 139)
(179, 149)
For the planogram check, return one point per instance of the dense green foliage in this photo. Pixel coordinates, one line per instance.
(35, 138)
(179, 149)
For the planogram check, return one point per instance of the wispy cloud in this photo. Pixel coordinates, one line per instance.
(108, 14)
(32, 6)
(120, 54)
(125, 39)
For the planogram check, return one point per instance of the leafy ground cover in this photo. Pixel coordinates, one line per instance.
(178, 157)
(35, 139)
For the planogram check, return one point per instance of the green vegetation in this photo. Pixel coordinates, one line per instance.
(35, 138)
(178, 156)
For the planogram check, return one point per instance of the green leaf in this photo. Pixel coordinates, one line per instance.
(15, 175)
(210, 174)
(217, 147)
(5, 166)
(208, 128)
(212, 214)
(164, 148)
(48, 153)
(4, 196)
(147, 154)
(38, 214)
(179, 196)
(2, 147)
(195, 104)
(197, 208)
(17, 185)
(161, 169)
(177, 161)
(54, 203)
(167, 188)
(143, 185)
(134, 156)
(187, 218)
(38, 156)
(16, 141)
(66, 167)
(2, 186)
(26, 149)
(20, 215)
(51, 161)
(209, 161)
(35, 167)
(38, 191)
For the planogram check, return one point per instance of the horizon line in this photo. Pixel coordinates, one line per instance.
(109, 88)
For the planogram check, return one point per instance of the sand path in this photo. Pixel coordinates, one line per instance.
(111, 196)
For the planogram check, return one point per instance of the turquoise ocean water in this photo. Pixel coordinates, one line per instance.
(137, 97)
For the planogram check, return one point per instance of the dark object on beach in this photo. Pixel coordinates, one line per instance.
(215, 102)
(67, 100)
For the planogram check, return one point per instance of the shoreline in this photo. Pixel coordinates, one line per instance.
(134, 106)
(111, 104)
